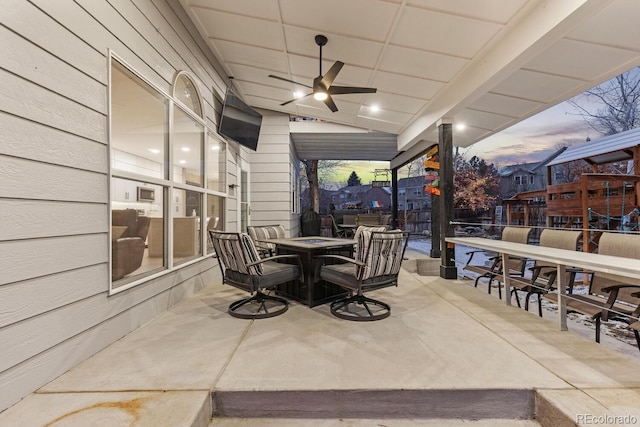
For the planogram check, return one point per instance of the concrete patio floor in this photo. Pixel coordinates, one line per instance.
(449, 354)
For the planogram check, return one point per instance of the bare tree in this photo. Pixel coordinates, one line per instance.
(316, 173)
(618, 99)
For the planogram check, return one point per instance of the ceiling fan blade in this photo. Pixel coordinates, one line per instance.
(332, 105)
(295, 99)
(289, 81)
(330, 75)
(343, 90)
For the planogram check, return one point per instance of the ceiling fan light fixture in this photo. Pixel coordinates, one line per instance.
(320, 96)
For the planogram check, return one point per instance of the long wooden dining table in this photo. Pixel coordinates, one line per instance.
(562, 258)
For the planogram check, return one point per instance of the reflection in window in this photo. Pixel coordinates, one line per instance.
(216, 163)
(157, 211)
(132, 226)
(138, 125)
(184, 90)
(215, 217)
(186, 208)
(187, 149)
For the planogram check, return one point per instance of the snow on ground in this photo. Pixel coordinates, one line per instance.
(614, 334)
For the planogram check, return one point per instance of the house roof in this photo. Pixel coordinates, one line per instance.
(530, 167)
(524, 167)
(608, 149)
(509, 60)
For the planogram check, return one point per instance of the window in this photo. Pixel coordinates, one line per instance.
(531, 177)
(186, 91)
(162, 183)
(295, 189)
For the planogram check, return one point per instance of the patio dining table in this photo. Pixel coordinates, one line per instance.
(308, 291)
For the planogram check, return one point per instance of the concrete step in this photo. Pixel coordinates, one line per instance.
(379, 404)
(344, 422)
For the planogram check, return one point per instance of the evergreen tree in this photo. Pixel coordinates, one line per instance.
(354, 179)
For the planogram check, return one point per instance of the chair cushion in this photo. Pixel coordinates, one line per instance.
(382, 256)
(340, 274)
(117, 231)
(251, 254)
(265, 232)
(275, 273)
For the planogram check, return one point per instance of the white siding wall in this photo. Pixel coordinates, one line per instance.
(271, 178)
(54, 308)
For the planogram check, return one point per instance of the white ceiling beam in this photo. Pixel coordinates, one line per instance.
(545, 25)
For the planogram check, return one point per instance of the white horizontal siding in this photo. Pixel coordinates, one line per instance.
(271, 174)
(54, 250)
(30, 219)
(25, 99)
(23, 300)
(23, 138)
(33, 180)
(22, 56)
(30, 22)
(27, 259)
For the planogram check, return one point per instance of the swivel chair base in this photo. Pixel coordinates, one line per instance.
(259, 306)
(360, 309)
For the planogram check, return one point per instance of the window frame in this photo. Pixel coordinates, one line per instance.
(167, 183)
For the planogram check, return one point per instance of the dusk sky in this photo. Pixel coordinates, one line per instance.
(531, 140)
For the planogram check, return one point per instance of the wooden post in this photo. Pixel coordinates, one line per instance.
(394, 197)
(435, 227)
(448, 268)
(585, 212)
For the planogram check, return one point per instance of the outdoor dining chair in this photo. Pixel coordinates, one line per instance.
(242, 267)
(376, 264)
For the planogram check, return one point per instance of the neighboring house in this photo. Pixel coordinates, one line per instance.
(378, 198)
(362, 197)
(525, 177)
(411, 194)
(349, 197)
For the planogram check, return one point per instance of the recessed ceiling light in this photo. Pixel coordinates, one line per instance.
(186, 149)
(374, 108)
(461, 126)
(297, 94)
(182, 162)
(154, 150)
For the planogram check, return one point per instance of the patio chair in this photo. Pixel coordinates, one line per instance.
(543, 274)
(376, 264)
(242, 267)
(260, 233)
(610, 295)
(337, 231)
(515, 265)
(635, 326)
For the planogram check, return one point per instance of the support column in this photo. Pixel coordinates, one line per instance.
(394, 198)
(448, 268)
(435, 227)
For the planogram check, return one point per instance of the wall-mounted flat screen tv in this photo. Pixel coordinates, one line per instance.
(239, 122)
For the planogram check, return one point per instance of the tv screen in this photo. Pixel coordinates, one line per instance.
(239, 122)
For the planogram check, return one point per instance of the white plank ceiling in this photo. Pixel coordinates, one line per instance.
(487, 64)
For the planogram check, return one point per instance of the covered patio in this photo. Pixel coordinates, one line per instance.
(449, 354)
